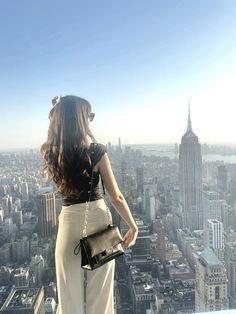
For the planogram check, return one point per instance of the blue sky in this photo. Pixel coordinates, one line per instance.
(137, 62)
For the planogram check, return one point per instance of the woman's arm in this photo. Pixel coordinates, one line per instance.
(117, 199)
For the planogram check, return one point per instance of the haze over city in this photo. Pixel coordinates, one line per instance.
(138, 64)
(160, 76)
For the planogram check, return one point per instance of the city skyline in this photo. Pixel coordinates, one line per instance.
(116, 144)
(177, 264)
(137, 64)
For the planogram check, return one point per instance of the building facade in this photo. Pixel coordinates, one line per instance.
(230, 262)
(214, 207)
(46, 214)
(222, 180)
(211, 283)
(214, 237)
(190, 179)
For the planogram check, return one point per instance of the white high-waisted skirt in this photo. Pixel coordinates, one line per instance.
(73, 298)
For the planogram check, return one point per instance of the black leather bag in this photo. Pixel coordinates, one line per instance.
(100, 247)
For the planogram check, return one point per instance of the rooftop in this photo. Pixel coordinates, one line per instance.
(21, 298)
(45, 189)
(209, 257)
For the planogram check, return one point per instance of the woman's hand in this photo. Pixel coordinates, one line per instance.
(130, 237)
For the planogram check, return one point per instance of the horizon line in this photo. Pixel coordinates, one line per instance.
(124, 144)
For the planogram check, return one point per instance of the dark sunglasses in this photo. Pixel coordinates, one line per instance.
(91, 116)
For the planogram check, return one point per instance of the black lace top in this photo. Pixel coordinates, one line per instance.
(96, 152)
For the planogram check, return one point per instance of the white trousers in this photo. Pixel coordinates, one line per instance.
(97, 297)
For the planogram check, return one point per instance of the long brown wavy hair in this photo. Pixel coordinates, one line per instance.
(66, 151)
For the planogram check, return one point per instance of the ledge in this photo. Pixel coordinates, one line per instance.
(219, 312)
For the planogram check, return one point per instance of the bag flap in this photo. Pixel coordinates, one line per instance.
(103, 240)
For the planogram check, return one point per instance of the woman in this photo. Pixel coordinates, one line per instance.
(69, 153)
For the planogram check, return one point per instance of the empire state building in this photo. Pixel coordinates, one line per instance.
(190, 179)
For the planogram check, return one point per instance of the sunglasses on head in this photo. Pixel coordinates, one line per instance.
(91, 116)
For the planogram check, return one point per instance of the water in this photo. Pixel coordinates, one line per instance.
(227, 159)
(168, 150)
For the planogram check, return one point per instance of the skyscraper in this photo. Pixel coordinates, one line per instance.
(214, 207)
(46, 214)
(139, 175)
(222, 180)
(211, 283)
(190, 179)
(124, 175)
(25, 191)
(37, 266)
(161, 242)
(7, 205)
(119, 144)
(214, 237)
(21, 250)
(230, 262)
